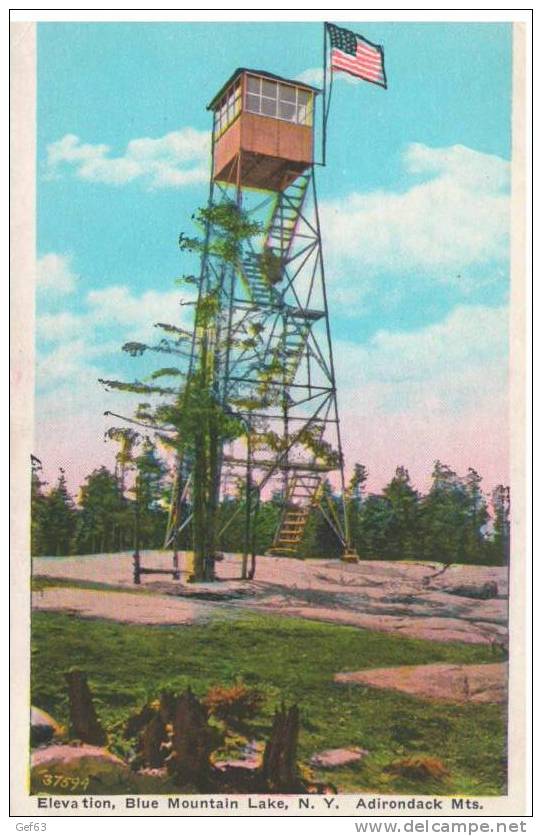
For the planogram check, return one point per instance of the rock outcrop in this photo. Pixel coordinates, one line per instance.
(447, 683)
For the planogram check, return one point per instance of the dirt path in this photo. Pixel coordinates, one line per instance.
(411, 599)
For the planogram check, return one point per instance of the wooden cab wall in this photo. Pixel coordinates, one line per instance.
(263, 131)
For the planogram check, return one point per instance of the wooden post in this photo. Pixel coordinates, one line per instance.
(136, 555)
(137, 567)
(176, 573)
(248, 490)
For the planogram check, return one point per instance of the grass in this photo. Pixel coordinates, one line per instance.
(287, 659)
(40, 582)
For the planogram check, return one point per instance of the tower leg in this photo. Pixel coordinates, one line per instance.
(137, 567)
(176, 573)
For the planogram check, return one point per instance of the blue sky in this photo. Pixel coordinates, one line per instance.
(414, 202)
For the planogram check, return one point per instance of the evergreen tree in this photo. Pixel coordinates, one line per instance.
(149, 493)
(193, 420)
(454, 514)
(357, 483)
(500, 541)
(105, 520)
(402, 526)
(124, 459)
(60, 519)
(319, 539)
(356, 488)
(374, 523)
(38, 509)
(478, 516)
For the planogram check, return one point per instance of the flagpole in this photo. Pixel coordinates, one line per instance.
(324, 103)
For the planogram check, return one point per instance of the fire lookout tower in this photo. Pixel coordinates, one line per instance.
(271, 343)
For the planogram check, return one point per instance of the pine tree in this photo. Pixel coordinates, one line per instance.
(320, 540)
(149, 492)
(356, 488)
(374, 522)
(192, 420)
(443, 517)
(500, 541)
(454, 516)
(357, 483)
(478, 517)
(124, 459)
(38, 509)
(104, 516)
(60, 519)
(402, 529)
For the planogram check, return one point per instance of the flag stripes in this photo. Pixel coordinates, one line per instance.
(355, 55)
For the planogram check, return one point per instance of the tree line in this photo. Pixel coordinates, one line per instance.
(454, 522)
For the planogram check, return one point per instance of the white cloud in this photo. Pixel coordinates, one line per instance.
(312, 75)
(55, 274)
(58, 326)
(315, 77)
(110, 316)
(452, 227)
(445, 368)
(134, 315)
(174, 160)
(471, 168)
(439, 392)
(63, 363)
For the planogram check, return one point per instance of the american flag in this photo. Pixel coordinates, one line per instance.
(356, 55)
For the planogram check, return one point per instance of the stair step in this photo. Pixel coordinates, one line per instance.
(279, 233)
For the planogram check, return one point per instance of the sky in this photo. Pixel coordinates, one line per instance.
(414, 203)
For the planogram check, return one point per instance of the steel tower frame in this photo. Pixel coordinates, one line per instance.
(273, 367)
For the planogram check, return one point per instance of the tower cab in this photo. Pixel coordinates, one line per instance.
(263, 130)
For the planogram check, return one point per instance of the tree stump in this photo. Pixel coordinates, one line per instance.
(84, 723)
(193, 741)
(152, 726)
(152, 743)
(279, 768)
(168, 702)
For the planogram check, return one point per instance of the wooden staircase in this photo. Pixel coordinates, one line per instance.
(280, 235)
(261, 291)
(286, 213)
(295, 339)
(303, 495)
